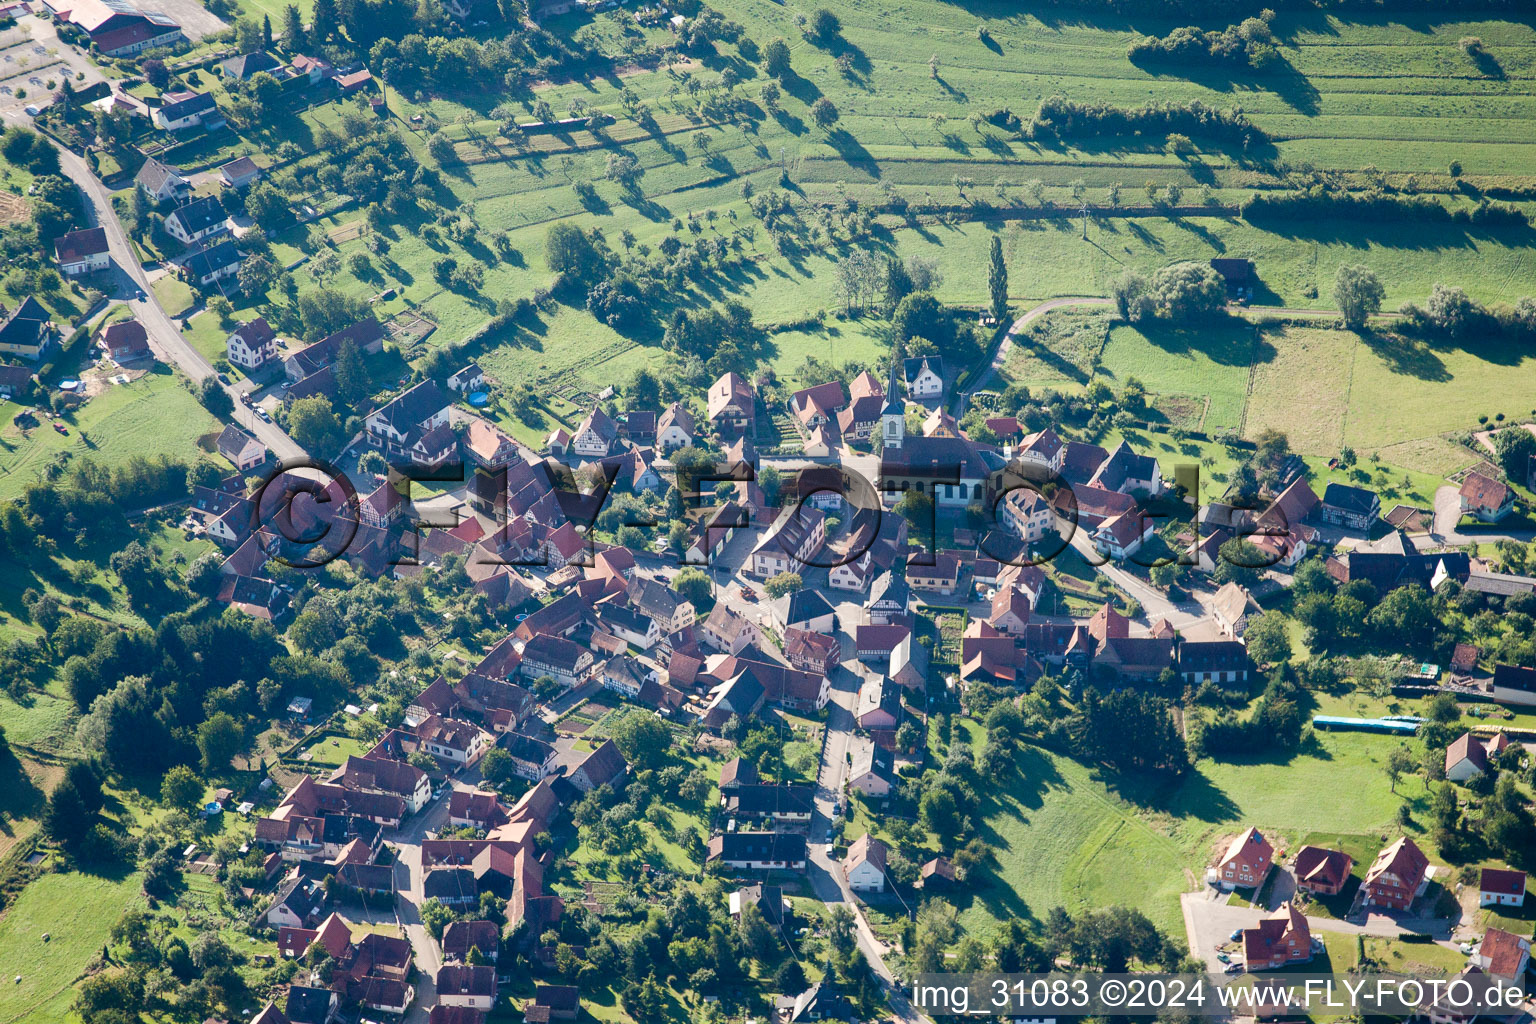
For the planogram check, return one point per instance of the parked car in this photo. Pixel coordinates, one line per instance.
(265, 416)
(1234, 969)
(223, 378)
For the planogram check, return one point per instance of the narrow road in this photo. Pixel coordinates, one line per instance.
(130, 282)
(1005, 344)
(826, 874)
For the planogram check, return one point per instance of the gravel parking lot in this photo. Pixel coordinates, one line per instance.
(196, 20)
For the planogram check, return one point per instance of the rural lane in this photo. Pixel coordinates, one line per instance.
(164, 338)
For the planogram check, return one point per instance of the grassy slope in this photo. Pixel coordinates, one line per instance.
(1065, 837)
(153, 415)
(76, 911)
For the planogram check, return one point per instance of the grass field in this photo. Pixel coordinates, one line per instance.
(153, 415)
(1200, 377)
(76, 911)
(1070, 836)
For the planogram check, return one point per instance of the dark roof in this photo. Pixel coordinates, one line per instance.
(1515, 677)
(1350, 499)
(765, 798)
(802, 606)
(911, 367)
(249, 63)
(200, 214)
(1213, 656)
(308, 1005)
(758, 846)
(421, 402)
(214, 259)
(604, 764)
(28, 325)
(176, 105)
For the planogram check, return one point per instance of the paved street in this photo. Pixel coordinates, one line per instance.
(129, 282)
(826, 874)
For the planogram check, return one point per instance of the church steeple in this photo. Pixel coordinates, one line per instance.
(893, 417)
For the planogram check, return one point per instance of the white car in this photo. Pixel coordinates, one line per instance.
(32, 111)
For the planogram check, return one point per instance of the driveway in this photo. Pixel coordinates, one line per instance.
(1209, 922)
(1448, 520)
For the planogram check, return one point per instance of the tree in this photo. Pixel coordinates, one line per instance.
(314, 424)
(823, 26)
(997, 280)
(642, 738)
(1399, 762)
(1267, 639)
(68, 820)
(180, 789)
(497, 768)
(213, 396)
(266, 32)
(824, 112)
(1513, 447)
(783, 583)
(1188, 291)
(293, 29)
(440, 148)
(1357, 293)
(219, 738)
(323, 21)
(776, 58)
(570, 252)
(1239, 560)
(156, 73)
(352, 381)
(693, 585)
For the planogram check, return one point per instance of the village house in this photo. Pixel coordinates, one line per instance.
(1322, 871)
(817, 406)
(532, 758)
(413, 426)
(553, 1002)
(555, 656)
(1123, 535)
(197, 220)
(888, 598)
(732, 406)
(475, 808)
(674, 428)
(27, 332)
(1484, 499)
(1128, 473)
(252, 345)
(1497, 887)
(1503, 954)
(864, 866)
(213, 264)
(124, 342)
(805, 610)
(595, 436)
(241, 448)
(940, 576)
(15, 382)
(879, 704)
(791, 542)
(728, 631)
(82, 252)
(1246, 861)
(462, 936)
(1468, 755)
(1514, 684)
(604, 766)
(1025, 513)
(758, 851)
(780, 804)
(871, 770)
(465, 985)
(162, 182)
(1353, 508)
(924, 377)
(815, 652)
(367, 335)
(1281, 938)
(876, 641)
(239, 173)
(1397, 876)
(1214, 661)
(1232, 607)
